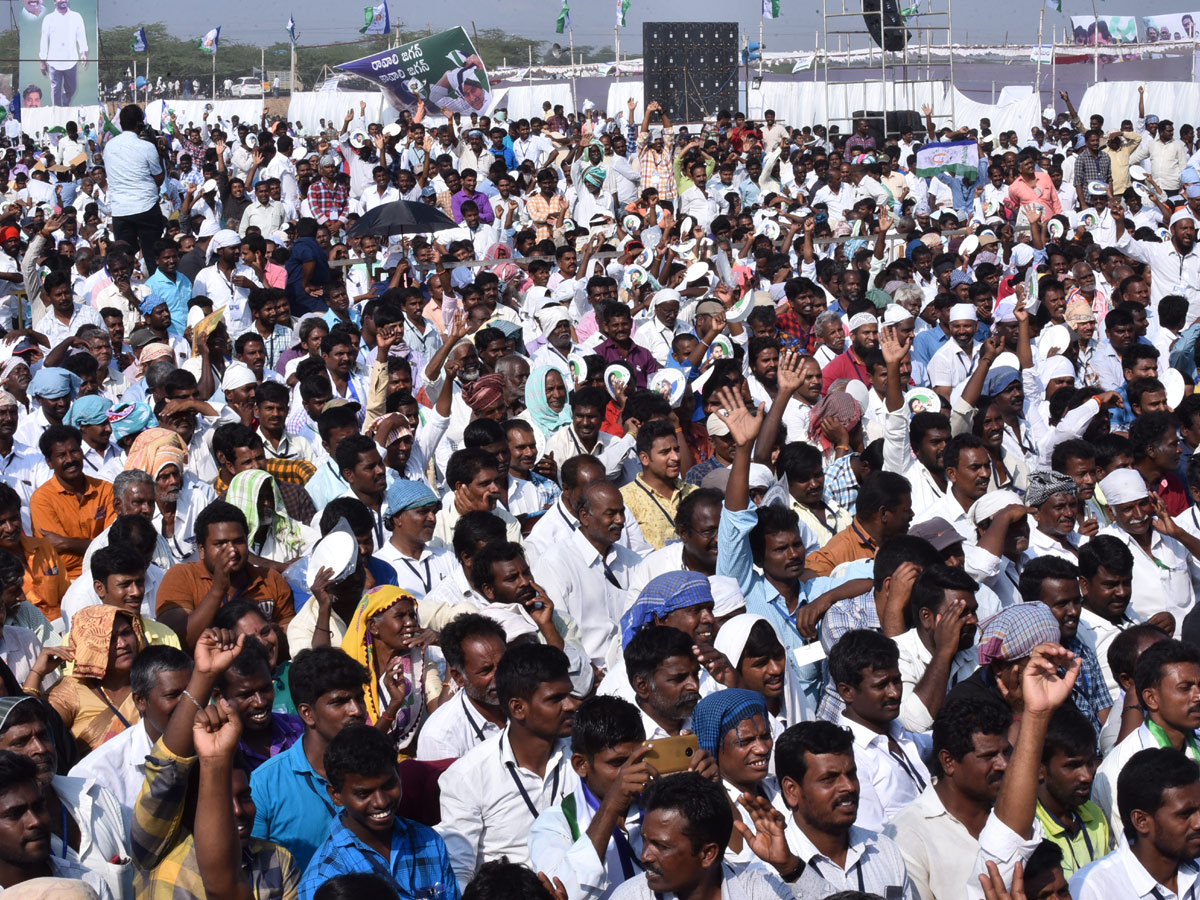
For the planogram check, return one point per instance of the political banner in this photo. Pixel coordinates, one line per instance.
(443, 70)
(1106, 31)
(1170, 27)
(950, 157)
(59, 46)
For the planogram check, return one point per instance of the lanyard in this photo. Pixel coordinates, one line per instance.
(649, 493)
(909, 769)
(512, 772)
(65, 834)
(857, 871)
(116, 712)
(569, 523)
(427, 581)
(1160, 738)
(471, 719)
(1087, 841)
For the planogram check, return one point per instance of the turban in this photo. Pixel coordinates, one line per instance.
(1044, 485)
(52, 383)
(963, 312)
(237, 375)
(720, 713)
(666, 295)
(957, 277)
(226, 237)
(484, 393)
(149, 303)
(155, 449)
(662, 596)
(999, 379)
(990, 504)
(131, 418)
(1022, 255)
(1123, 486)
(840, 406)
(7, 399)
(595, 176)
(1013, 632)
(404, 495)
(90, 410)
(551, 317)
(1056, 367)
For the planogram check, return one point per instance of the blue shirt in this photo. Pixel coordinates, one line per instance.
(927, 343)
(177, 293)
(303, 251)
(418, 860)
(292, 807)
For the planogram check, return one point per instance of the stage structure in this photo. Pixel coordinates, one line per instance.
(690, 68)
(905, 56)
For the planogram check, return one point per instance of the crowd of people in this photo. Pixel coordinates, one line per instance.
(703, 512)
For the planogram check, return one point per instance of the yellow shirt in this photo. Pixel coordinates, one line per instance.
(654, 512)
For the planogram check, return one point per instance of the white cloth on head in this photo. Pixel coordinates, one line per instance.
(1183, 215)
(226, 237)
(1123, 486)
(731, 640)
(990, 504)
(237, 375)
(895, 314)
(550, 318)
(963, 312)
(858, 320)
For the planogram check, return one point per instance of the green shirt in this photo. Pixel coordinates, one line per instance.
(1088, 843)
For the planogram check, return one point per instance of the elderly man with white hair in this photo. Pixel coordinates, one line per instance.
(555, 323)
(658, 332)
(1166, 559)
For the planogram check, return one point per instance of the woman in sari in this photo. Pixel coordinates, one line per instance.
(546, 403)
(95, 700)
(404, 685)
(273, 537)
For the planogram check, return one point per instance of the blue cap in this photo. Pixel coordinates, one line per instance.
(403, 495)
(150, 303)
(53, 383)
(131, 418)
(90, 410)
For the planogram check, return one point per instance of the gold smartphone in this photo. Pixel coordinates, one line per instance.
(672, 754)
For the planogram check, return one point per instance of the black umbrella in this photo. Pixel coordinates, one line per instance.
(402, 217)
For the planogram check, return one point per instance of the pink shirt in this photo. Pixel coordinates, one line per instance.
(1042, 193)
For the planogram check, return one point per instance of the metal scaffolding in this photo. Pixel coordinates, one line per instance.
(926, 60)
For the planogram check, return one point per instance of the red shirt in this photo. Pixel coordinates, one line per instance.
(1174, 495)
(843, 366)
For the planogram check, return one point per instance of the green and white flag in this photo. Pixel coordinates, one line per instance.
(804, 63)
(622, 8)
(376, 19)
(770, 9)
(564, 19)
(952, 157)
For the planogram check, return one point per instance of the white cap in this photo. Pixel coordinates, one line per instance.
(666, 295)
(337, 551)
(990, 504)
(727, 595)
(963, 312)
(237, 375)
(1123, 486)
(209, 185)
(1183, 215)
(895, 314)
(858, 320)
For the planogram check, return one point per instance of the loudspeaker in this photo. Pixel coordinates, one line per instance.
(690, 68)
(897, 120)
(894, 35)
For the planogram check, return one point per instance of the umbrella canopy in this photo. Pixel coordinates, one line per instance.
(402, 217)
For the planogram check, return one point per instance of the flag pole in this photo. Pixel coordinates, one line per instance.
(214, 73)
(1037, 81)
(571, 39)
(617, 50)
(760, 48)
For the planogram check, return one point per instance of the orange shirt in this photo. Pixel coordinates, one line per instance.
(62, 511)
(45, 576)
(184, 586)
(845, 546)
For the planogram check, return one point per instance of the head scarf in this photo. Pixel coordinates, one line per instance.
(90, 410)
(53, 382)
(841, 406)
(359, 644)
(999, 379)
(155, 449)
(662, 596)
(595, 176)
(721, 712)
(1044, 485)
(153, 352)
(10, 366)
(1013, 632)
(150, 303)
(550, 317)
(226, 237)
(484, 393)
(244, 491)
(731, 640)
(546, 419)
(130, 418)
(91, 636)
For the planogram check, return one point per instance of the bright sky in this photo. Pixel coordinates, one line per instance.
(323, 22)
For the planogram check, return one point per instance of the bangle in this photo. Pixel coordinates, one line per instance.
(195, 702)
(841, 447)
(384, 717)
(705, 343)
(319, 628)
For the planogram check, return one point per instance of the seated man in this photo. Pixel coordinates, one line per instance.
(491, 796)
(589, 841)
(473, 646)
(1069, 819)
(473, 477)
(665, 678)
(291, 801)
(157, 680)
(171, 837)
(367, 835)
(891, 761)
(249, 688)
(25, 845)
(191, 593)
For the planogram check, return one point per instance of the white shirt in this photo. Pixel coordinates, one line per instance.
(131, 165)
(873, 862)
(484, 814)
(454, 729)
(887, 781)
(1104, 787)
(119, 764)
(19, 648)
(269, 217)
(102, 834)
(1099, 633)
(421, 575)
(898, 457)
(1120, 874)
(211, 283)
(1170, 272)
(64, 40)
(56, 332)
(577, 581)
(951, 365)
(924, 831)
(1162, 579)
(915, 658)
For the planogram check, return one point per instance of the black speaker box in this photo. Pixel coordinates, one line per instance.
(690, 68)
(893, 35)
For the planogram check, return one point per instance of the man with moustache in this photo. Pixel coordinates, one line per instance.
(864, 665)
(968, 468)
(1068, 767)
(473, 645)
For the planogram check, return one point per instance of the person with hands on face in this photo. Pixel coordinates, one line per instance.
(183, 847)
(590, 842)
(502, 578)
(1001, 523)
